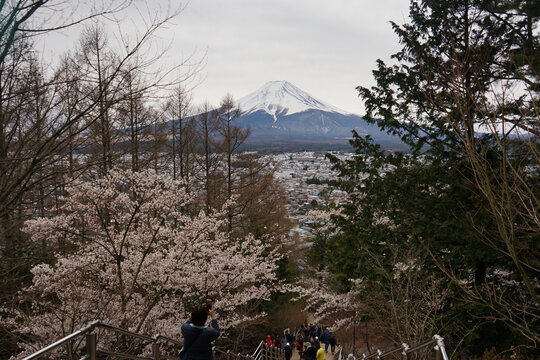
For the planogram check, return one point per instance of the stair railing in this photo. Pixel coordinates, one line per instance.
(257, 354)
(228, 355)
(263, 351)
(340, 352)
(405, 350)
(91, 352)
(267, 352)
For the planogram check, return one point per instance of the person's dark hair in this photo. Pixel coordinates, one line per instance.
(199, 315)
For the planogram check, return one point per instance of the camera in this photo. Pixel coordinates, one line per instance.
(208, 305)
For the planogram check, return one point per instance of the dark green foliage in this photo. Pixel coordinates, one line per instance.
(402, 199)
(317, 181)
(407, 209)
(451, 211)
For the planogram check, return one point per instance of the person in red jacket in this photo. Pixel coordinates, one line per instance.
(300, 343)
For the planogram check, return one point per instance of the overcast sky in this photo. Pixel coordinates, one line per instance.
(325, 47)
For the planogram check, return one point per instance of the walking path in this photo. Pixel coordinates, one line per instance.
(329, 355)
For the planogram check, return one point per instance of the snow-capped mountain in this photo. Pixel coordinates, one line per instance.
(282, 98)
(280, 112)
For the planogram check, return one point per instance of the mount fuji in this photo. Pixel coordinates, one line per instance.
(283, 98)
(280, 114)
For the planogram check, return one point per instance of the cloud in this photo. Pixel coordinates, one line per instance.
(324, 47)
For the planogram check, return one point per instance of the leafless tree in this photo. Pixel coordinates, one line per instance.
(44, 118)
(259, 207)
(505, 172)
(182, 133)
(141, 136)
(208, 157)
(233, 137)
(98, 62)
(35, 17)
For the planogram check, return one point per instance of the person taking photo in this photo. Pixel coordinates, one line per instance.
(197, 336)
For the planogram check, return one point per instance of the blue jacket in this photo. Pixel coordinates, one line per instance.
(201, 349)
(326, 336)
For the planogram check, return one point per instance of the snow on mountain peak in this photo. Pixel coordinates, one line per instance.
(282, 98)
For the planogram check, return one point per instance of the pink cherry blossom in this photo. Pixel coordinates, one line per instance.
(140, 262)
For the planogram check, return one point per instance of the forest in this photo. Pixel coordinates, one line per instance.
(122, 200)
(446, 238)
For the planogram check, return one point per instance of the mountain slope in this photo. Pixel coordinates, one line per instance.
(281, 112)
(282, 98)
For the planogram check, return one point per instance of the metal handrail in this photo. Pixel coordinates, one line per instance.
(89, 329)
(340, 356)
(91, 351)
(124, 356)
(405, 349)
(257, 353)
(272, 353)
(230, 355)
(125, 332)
(168, 339)
(422, 345)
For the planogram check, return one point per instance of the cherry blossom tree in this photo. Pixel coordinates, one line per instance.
(338, 310)
(324, 298)
(138, 262)
(320, 221)
(401, 304)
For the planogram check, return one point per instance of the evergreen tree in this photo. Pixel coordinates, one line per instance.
(458, 196)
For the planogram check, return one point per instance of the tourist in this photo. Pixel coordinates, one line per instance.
(311, 352)
(288, 351)
(288, 336)
(320, 355)
(325, 339)
(284, 340)
(302, 353)
(333, 342)
(299, 342)
(306, 332)
(197, 336)
(313, 330)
